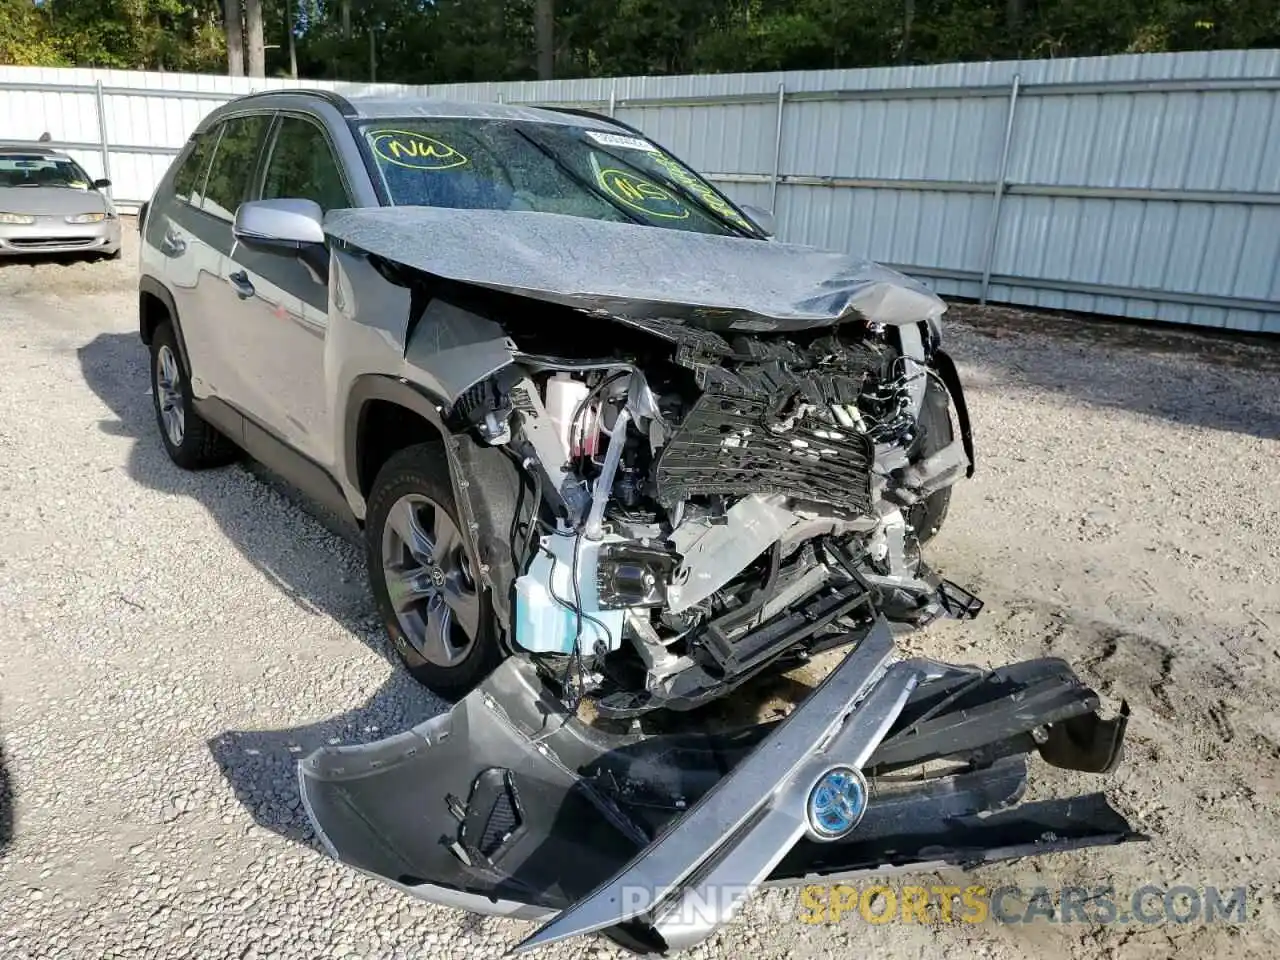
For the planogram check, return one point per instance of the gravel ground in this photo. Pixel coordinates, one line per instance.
(175, 641)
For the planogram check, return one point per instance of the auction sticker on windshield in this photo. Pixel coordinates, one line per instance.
(414, 150)
(618, 140)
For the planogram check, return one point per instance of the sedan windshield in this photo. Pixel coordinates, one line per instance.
(20, 170)
(544, 167)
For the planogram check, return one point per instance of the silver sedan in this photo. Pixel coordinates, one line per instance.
(48, 204)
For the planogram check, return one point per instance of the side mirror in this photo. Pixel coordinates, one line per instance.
(279, 226)
(101, 184)
(761, 218)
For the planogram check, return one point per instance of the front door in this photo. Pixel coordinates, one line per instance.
(284, 370)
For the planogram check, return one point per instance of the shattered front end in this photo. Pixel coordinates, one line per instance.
(509, 805)
(721, 467)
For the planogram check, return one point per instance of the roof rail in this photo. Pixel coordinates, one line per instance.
(591, 114)
(39, 146)
(336, 100)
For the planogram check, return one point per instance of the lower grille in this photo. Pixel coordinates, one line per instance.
(740, 445)
(38, 243)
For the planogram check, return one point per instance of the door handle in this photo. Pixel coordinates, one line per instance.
(241, 284)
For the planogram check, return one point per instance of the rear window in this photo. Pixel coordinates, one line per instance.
(188, 182)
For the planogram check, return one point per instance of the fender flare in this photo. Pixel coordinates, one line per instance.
(377, 386)
(149, 285)
(469, 464)
(951, 378)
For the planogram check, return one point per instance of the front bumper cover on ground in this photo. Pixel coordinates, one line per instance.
(506, 805)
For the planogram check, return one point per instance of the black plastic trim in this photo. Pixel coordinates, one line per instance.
(951, 377)
(487, 517)
(377, 386)
(150, 285)
(929, 833)
(300, 471)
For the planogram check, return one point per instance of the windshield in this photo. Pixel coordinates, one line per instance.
(19, 170)
(545, 167)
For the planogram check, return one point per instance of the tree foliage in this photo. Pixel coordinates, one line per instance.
(439, 41)
(128, 34)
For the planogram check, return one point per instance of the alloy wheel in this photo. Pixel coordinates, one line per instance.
(429, 580)
(169, 395)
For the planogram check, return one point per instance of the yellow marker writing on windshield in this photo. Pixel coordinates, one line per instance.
(703, 190)
(416, 151)
(642, 194)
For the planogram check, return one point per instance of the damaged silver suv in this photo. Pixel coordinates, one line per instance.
(608, 442)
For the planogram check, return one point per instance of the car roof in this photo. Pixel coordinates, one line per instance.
(373, 107)
(31, 150)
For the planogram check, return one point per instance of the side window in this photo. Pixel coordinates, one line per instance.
(188, 182)
(234, 161)
(302, 165)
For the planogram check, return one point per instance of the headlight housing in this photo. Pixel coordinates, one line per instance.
(16, 218)
(86, 217)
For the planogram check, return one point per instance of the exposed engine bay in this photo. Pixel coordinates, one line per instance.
(721, 504)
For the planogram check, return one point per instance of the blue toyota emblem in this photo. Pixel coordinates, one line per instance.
(836, 803)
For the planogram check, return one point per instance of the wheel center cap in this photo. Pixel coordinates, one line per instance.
(437, 576)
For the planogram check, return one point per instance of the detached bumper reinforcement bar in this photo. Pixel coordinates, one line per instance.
(728, 843)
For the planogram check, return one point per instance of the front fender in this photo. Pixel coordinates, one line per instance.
(420, 335)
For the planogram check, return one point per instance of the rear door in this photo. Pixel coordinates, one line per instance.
(219, 302)
(284, 362)
(174, 249)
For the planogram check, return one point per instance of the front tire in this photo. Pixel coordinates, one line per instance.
(191, 442)
(424, 577)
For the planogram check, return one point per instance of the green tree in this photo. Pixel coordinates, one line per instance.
(25, 37)
(443, 41)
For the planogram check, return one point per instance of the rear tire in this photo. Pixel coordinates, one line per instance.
(191, 442)
(441, 621)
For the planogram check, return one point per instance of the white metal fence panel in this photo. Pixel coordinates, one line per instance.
(1141, 186)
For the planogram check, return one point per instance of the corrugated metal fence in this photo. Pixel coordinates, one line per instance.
(1139, 186)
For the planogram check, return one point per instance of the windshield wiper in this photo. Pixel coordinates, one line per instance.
(578, 178)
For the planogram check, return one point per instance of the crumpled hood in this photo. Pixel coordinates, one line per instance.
(722, 283)
(51, 201)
